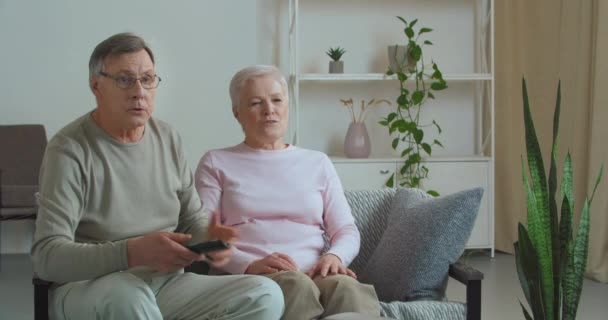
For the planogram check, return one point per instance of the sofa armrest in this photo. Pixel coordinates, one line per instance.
(464, 273)
(471, 278)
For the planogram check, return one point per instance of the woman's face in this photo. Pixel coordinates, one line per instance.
(263, 112)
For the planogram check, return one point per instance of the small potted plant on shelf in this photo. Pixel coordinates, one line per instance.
(336, 66)
(404, 124)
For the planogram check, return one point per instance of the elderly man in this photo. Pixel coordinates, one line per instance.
(118, 204)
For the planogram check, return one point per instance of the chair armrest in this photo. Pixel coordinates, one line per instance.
(471, 278)
(464, 273)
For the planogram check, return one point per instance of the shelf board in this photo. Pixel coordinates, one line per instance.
(382, 76)
(471, 158)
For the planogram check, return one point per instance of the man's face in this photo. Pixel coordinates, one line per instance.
(263, 110)
(127, 108)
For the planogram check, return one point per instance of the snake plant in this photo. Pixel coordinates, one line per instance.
(550, 263)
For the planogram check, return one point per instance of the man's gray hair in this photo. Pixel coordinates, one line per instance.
(246, 74)
(117, 44)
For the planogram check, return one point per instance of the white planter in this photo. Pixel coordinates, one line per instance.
(398, 59)
(336, 67)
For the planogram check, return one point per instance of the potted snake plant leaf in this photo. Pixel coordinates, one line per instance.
(550, 262)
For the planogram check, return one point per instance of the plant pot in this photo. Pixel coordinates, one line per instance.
(356, 142)
(398, 59)
(336, 67)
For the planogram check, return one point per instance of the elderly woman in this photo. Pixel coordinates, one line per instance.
(282, 199)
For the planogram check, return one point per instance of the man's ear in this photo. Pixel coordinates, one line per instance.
(94, 84)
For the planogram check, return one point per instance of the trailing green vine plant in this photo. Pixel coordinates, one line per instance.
(550, 263)
(404, 123)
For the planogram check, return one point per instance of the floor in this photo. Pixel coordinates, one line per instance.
(500, 289)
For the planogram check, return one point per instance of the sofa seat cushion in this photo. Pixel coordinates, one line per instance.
(424, 235)
(424, 310)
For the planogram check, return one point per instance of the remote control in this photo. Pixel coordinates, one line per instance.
(208, 246)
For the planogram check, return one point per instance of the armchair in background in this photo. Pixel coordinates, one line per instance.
(21, 151)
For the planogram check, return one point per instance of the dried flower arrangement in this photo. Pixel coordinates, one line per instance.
(364, 108)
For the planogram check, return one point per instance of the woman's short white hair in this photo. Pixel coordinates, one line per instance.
(246, 74)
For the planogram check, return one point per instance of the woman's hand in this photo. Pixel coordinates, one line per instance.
(329, 264)
(218, 231)
(272, 263)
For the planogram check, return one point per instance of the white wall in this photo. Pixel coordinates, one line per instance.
(198, 44)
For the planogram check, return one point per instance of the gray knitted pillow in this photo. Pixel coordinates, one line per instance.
(422, 238)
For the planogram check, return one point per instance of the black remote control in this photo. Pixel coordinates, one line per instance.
(208, 246)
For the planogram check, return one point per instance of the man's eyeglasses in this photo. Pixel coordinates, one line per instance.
(126, 82)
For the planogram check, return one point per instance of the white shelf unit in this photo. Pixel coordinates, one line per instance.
(465, 110)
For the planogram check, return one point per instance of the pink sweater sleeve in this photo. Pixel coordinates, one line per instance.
(209, 186)
(208, 183)
(338, 219)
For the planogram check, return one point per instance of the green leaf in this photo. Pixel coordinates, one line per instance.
(395, 143)
(437, 143)
(404, 168)
(389, 72)
(391, 181)
(526, 314)
(433, 193)
(437, 126)
(428, 42)
(418, 135)
(597, 182)
(552, 183)
(532, 272)
(402, 100)
(439, 85)
(402, 76)
(415, 182)
(425, 170)
(397, 123)
(417, 97)
(409, 32)
(523, 281)
(391, 116)
(383, 123)
(427, 148)
(581, 247)
(424, 30)
(402, 20)
(413, 23)
(566, 257)
(406, 151)
(414, 158)
(416, 53)
(538, 207)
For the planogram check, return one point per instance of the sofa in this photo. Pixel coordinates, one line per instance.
(374, 212)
